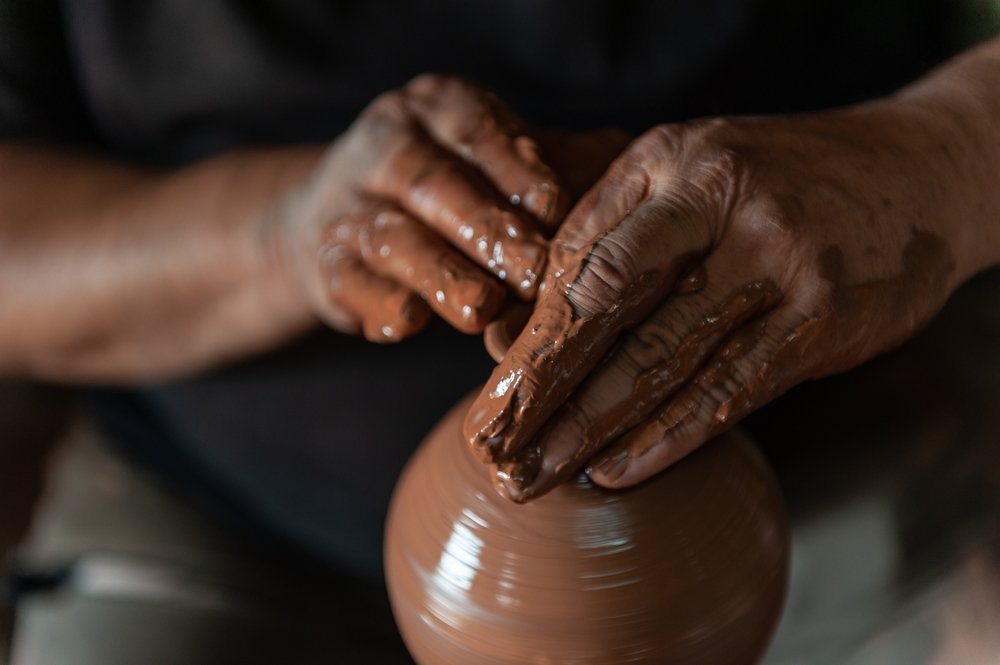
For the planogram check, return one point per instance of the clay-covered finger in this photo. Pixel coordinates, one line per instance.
(608, 285)
(387, 311)
(454, 201)
(651, 363)
(754, 366)
(475, 125)
(395, 245)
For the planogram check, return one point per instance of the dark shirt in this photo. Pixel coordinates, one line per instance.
(308, 440)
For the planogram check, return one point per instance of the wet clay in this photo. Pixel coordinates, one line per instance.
(477, 126)
(738, 356)
(459, 205)
(862, 320)
(690, 567)
(524, 476)
(500, 333)
(571, 330)
(387, 311)
(398, 246)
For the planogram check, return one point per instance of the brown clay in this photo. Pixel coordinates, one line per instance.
(689, 567)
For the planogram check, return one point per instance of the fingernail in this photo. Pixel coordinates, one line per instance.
(547, 201)
(507, 488)
(413, 311)
(540, 200)
(611, 467)
(528, 268)
(485, 428)
(395, 319)
(474, 302)
(513, 479)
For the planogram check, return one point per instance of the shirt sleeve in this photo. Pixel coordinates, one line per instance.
(39, 97)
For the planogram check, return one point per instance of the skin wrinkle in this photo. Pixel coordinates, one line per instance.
(650, 387)
(927, 264)
(576, 337)
(606, 268)
(503, 420)
(771, 194)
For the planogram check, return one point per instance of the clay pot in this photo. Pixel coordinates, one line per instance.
(690, 567)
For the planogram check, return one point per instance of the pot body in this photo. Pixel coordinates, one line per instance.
(689, 567)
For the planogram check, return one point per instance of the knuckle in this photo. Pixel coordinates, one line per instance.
(718, 175)
(607, 276)
(722, 170)
(628, 176)
(695, 139)
(767, 226)
(812, 297)
(718, 399)
(427, 83)
(655, 149)
(801, 264)
(654, 341)
(380, 224)
(699, 166)
(388, 106)
(667, 137)
(440, 90)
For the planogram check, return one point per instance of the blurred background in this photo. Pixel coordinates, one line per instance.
(891, 474)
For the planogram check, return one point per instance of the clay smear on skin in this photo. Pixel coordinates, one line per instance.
(652, 387)
(856, 313)
(404, 249)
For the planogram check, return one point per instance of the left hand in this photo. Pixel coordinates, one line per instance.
(716, 265)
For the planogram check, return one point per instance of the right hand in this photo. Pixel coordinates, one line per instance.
(717, 264)
(434, 199)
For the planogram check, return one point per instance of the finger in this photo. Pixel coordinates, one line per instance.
(452, 200)
(653, 361)
(610, 284)
(478, 127)
(755, 365)
(387, 311)
(500, 333)
(395, 245)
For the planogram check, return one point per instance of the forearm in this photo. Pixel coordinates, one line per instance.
(108, 272)
(959, 104)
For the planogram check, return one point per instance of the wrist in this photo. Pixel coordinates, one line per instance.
(274, 177)
(959, 109)
(943, 153)
(284, 290)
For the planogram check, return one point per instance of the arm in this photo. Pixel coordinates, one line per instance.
(109, 272)
(959, 104)
(721, 262)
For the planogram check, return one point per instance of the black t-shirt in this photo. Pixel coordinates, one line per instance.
(302, 439)
(173, 80)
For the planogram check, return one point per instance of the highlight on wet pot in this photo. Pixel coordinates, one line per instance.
(689, 567)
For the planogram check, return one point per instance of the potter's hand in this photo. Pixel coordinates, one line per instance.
(715, 265)
(432, 200)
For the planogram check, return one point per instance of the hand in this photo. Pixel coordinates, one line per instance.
(434, 199)
(717, 264)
